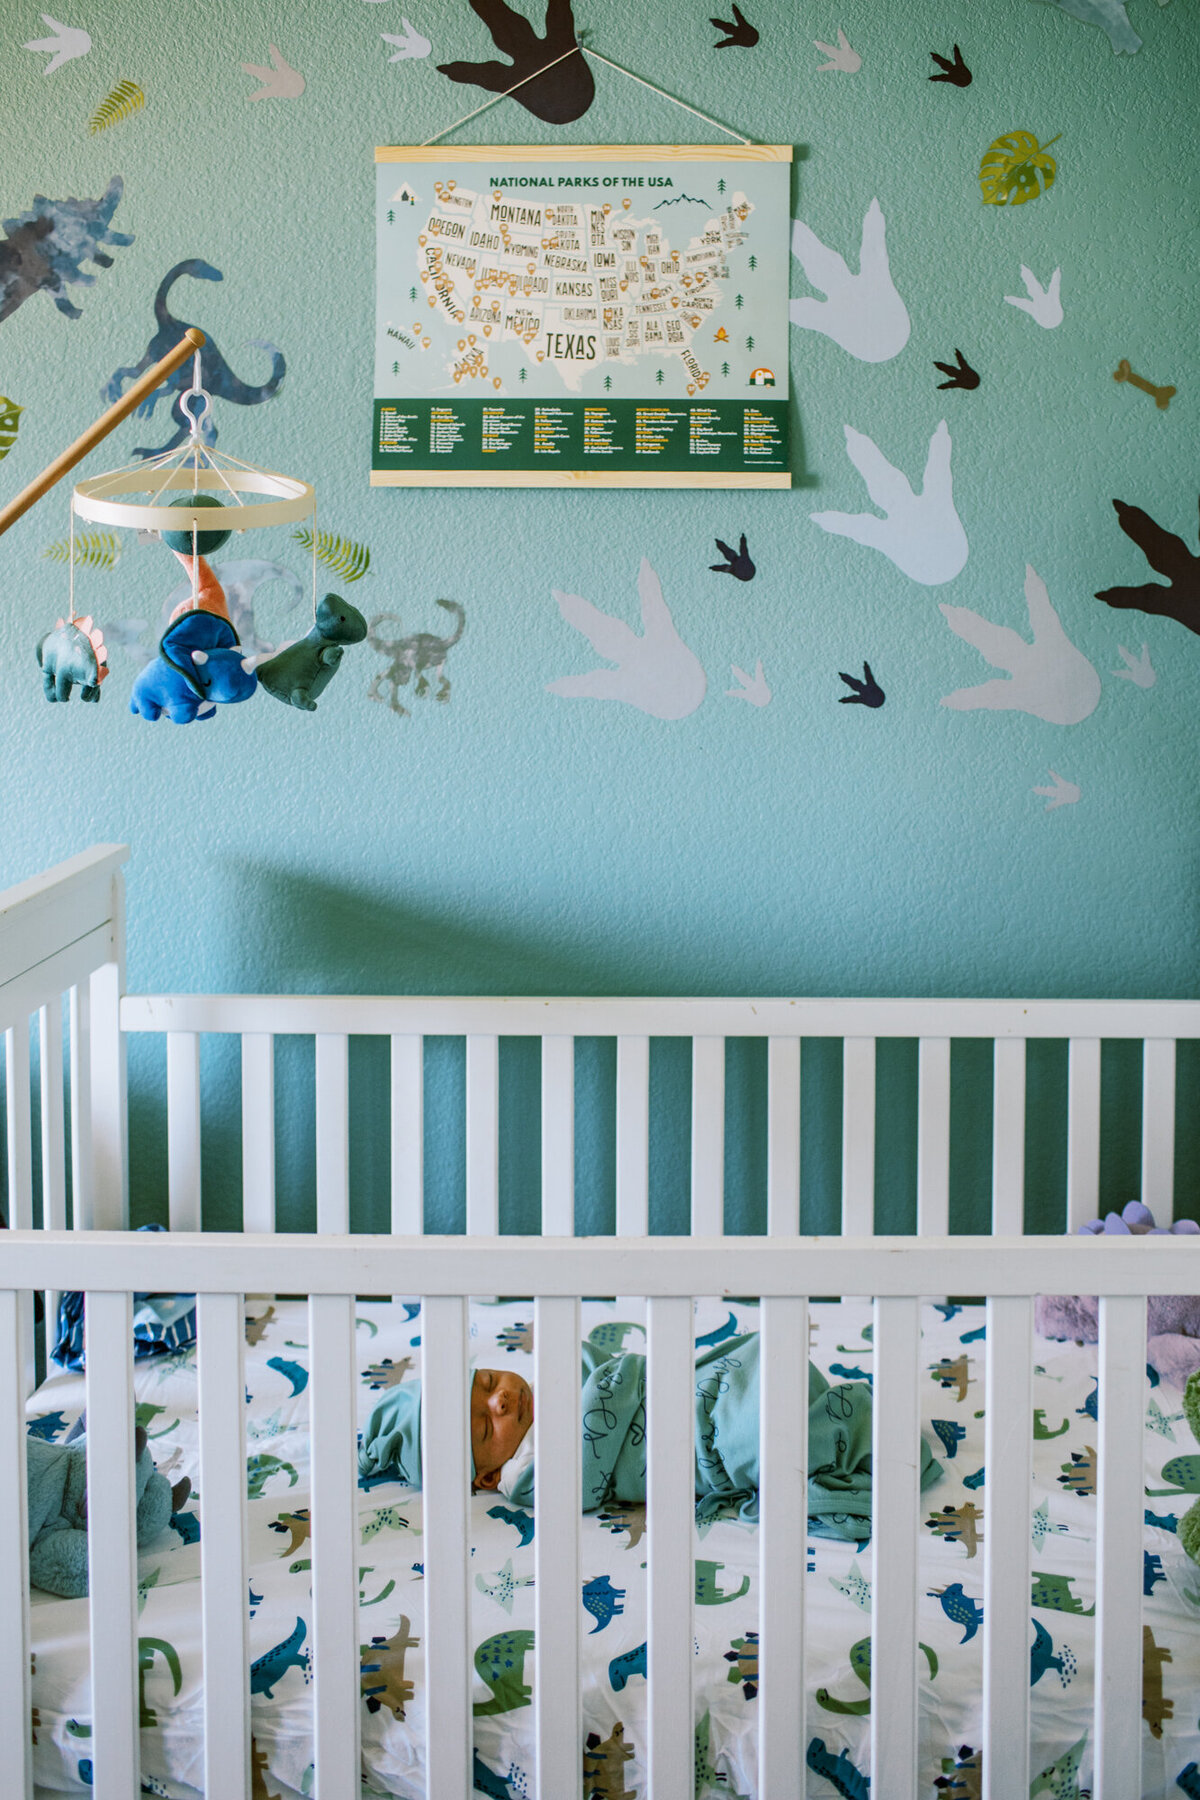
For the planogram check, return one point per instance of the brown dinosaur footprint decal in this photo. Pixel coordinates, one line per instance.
(1167, 555)
(556, 95)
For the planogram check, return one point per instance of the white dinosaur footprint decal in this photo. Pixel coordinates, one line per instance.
(656, 672)
(1063, 793)
(753, 688)
(279, 82)
(68, 42)
(410, 44)
(842, 56)
(863, 313)
(1043, 303)
(1138, 669)
(922, 533)
(1050, 678)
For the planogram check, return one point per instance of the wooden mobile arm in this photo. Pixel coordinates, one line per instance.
(191, 341)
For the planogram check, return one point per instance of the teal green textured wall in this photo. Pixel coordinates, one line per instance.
(514, 840)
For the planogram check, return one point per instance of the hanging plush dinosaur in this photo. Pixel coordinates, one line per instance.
(199, 665)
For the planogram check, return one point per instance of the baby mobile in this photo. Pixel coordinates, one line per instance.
(199, 665)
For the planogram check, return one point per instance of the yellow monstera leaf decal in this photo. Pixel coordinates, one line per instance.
(1016, 168)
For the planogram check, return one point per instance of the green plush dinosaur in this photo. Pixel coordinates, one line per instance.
(56, 1482)
(1189, 1525)
(302, 671)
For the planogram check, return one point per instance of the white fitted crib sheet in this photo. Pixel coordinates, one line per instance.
(612, 1611)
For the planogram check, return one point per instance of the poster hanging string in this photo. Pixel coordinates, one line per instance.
(583, 50)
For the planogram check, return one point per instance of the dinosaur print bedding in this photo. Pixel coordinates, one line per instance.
(612, 1605)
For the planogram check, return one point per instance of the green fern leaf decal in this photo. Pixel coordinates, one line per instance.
(1016, 168)
(10, 412)
(127, 97)
(342, 556)
(93, 550)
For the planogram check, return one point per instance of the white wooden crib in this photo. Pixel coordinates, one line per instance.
(62, 934)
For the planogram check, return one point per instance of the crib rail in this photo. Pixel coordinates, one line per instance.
(333, 1270)
(331, 1020)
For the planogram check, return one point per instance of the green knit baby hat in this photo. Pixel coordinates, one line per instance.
(1189, 1528)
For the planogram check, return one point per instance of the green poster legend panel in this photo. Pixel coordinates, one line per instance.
(620, 437)
(608, 314)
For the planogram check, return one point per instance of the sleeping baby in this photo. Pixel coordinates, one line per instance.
(613, 1424)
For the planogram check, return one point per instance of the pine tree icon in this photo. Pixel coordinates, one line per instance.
(721, 185)
(749, 343)
(391, 216)
(521, 374)
(659, 377)
(724, 368)
(753, 263)
(738, 301)
(412, 293)
(607, 382)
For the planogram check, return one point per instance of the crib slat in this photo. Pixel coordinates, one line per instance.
(556, 1546)
(858, 1137)
(408, 1134)
(895, 1539)
(558, 1136)
(20, 1173)
(1117, 1730)
(633, 1136)
(336, 1684)
(783, 1503)
(82, 1189)
(16, 1759)
(54, 1159)
(333, 1131)
(670, 1580)
(933, 1137)
(183, 1130)
(783, 1136)
(1083, 1131)
(112, 1549)
(1158, 1128)
(708, 1136)
(109, 1098)
(1008, 1458)
(483, 1135)
(446, 1474)
(1008, 1137)
(258, 1131)
(220, 1339)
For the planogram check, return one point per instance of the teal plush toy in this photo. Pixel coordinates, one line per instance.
(303, 670)
(206, 541)
(73, 655)
(56, 1481)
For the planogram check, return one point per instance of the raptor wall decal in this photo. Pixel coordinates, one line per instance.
(46, 247)
(215, 373)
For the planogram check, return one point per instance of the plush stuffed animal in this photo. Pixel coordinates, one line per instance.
(303, 670)
(56, 1481)
(73, 655)
(199, 665)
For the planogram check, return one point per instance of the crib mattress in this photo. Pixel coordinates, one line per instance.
(612, 1612)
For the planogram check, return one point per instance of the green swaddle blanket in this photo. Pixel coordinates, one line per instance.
(725, 1418)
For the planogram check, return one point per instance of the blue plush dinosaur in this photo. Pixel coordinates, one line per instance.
(1041, 1657)
(850, 1782)
(959, 1608)
(294, 1371)
(630, 1662)
(200, 664)
(299, 674)
(524, 1522)
(951, 1433)
(603, 1601)
(500, 1664)
(271, 1668)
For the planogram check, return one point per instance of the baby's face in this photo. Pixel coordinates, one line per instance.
(501, 1414)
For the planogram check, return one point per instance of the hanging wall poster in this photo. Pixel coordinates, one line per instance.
(603, 315)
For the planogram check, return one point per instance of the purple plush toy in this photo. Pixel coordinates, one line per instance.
(1173, 1321)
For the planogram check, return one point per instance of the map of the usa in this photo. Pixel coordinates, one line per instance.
(581, 286)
